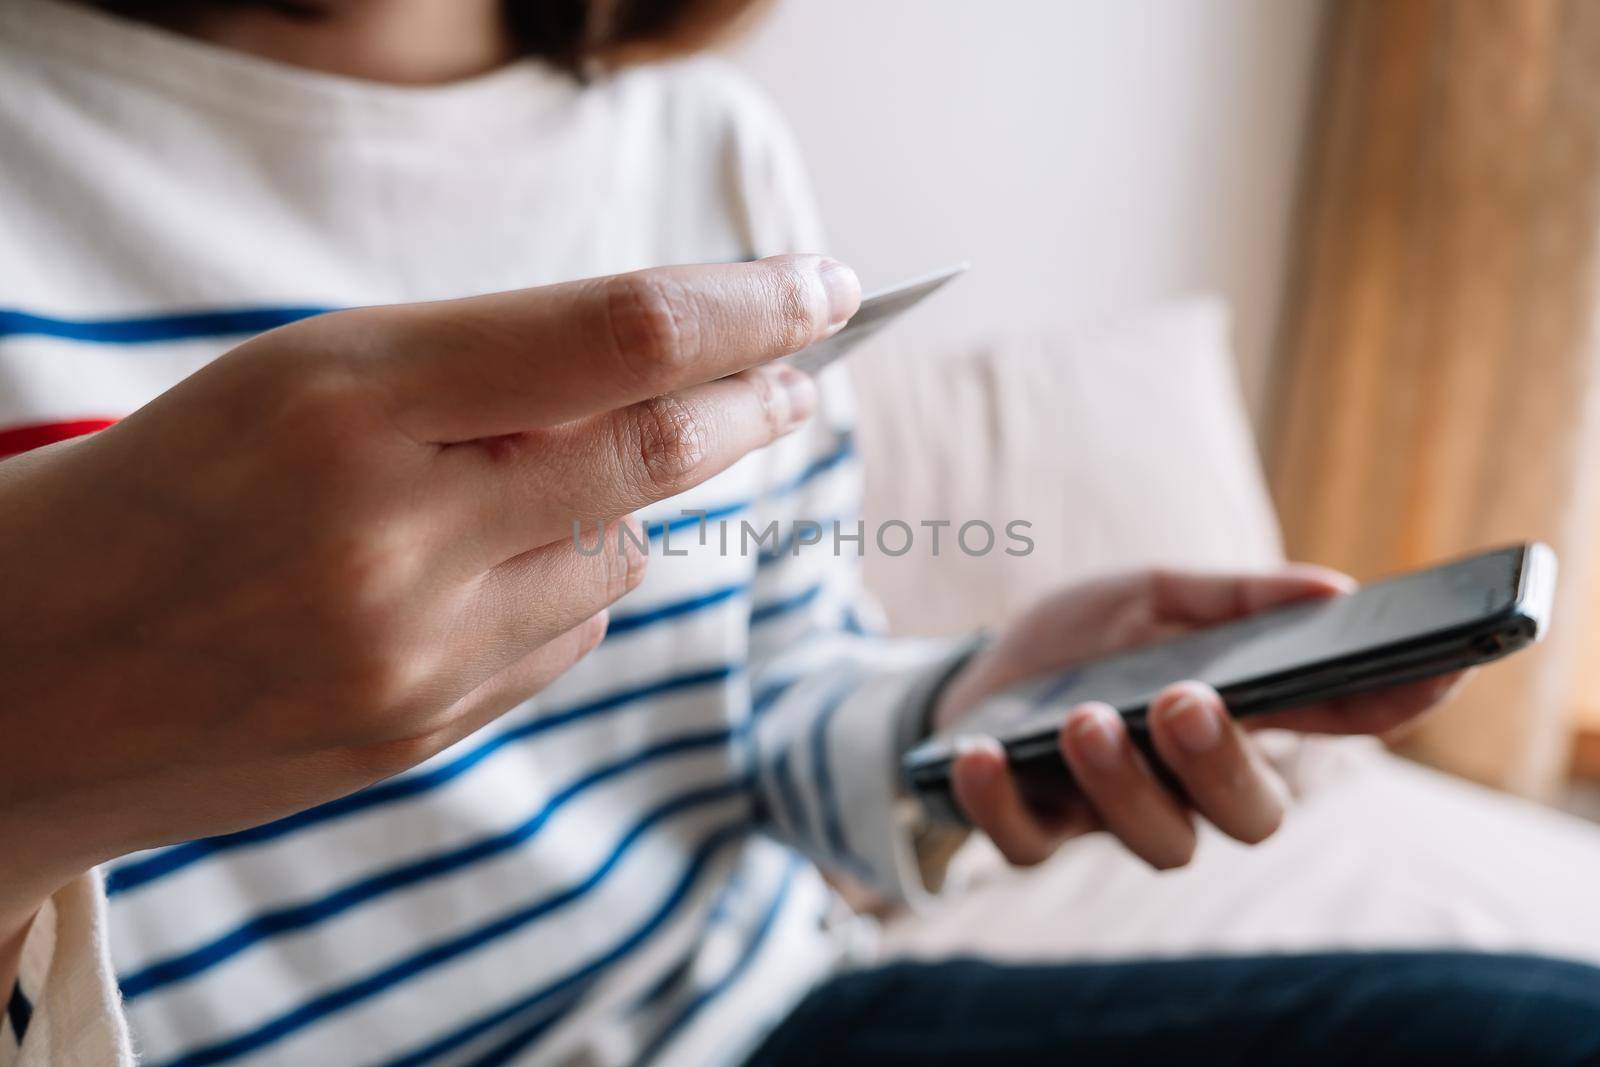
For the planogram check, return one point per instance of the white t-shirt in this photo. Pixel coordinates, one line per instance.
(619, 870)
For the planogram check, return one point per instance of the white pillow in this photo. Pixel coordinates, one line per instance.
(1123, 445)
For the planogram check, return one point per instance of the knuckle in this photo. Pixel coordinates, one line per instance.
(652, 329)
(380, 680)
(365, 585)
(671, 443)
(625, 568)
(368, 572)
(312, 411)
(800, 309)
(635, 563)
(773, 409)
(326, 430)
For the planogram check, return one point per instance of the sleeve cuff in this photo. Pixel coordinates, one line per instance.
(870, 731)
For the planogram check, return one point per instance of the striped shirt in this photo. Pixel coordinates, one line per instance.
(621, 870)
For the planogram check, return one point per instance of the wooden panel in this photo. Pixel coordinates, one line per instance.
(1586, 754)
(1436, 394)
(1586, 692)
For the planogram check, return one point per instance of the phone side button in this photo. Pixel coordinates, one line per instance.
(1490, 645)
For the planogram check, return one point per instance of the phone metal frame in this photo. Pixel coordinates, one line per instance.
(1036, 759)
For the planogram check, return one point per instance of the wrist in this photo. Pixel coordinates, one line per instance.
(935, 697)
(962, 688)
(934, 840)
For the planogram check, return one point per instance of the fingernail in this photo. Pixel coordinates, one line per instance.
(843, 289)
(799, 393)
(1096, 732)
(1194, 723)
(984, 771)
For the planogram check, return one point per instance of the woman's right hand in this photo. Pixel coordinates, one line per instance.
(349, 543)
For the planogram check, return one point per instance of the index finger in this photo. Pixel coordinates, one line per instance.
(485, 366)
(1198, 599)
(1377, 712)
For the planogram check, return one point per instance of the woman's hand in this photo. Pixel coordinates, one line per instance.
(1225, 779)
(350, 542)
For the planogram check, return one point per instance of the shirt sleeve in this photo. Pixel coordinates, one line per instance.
(65, 1010)
(835, 703)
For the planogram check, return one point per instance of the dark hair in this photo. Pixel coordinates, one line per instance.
(576, 35)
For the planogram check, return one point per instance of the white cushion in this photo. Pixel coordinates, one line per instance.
(1124, 445)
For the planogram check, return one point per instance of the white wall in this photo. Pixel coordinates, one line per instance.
(1087, 156)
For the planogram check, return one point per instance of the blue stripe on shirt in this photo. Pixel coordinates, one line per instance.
(507, 1050)
(248, 321)
(186, 965)
(19, 1009)
(844, 451)
(854, 625)
(135, 873)
(767, 612)
(583, 976)
(410, 967)
(154, 329)
(790, 545)
(132, 874)
(666, 527)
(794, 808)
(554, 1011)
(628, 622)
(299, 916)
(822, 774)
(768, 696)
(731, 887)
(747, 955)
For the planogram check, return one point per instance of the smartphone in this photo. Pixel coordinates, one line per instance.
(1413, 626)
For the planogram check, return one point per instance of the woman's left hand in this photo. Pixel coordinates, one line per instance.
(1226, 781)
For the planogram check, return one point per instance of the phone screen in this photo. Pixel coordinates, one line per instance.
(1283, 640)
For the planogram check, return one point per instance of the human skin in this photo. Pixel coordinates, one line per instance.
(348, 543)
(339, 548)
(1223, 777)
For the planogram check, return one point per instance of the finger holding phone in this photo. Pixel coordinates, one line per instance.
(1208, 766)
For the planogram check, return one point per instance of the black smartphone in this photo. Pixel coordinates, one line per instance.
(1456, 615)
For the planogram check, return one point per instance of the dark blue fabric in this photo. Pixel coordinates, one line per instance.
(20, 1010)
(1410, 1009)
(154, 329)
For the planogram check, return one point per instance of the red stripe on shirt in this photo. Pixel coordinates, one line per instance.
(18, 439)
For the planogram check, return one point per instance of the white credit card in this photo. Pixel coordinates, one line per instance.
(877, 310)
